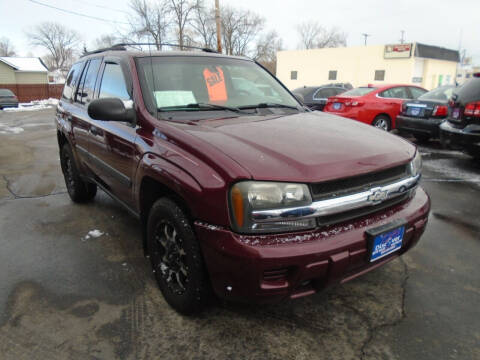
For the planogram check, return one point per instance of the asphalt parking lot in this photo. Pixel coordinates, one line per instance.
(65, 295)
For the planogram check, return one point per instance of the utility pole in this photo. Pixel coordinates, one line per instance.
(402, 39)
(366, 36)
(219, 26)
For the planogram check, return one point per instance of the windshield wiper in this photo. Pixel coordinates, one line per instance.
(268, 105)
(204, 106)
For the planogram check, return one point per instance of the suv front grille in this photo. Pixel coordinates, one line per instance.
(355, 184)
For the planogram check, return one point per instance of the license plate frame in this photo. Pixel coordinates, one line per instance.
(385, 240)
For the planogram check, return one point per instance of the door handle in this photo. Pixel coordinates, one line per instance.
(95, 131)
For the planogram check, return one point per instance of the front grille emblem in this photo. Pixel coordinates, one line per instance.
(377, 195)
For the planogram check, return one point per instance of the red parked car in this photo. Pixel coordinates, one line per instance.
(242, 193)
(377, 105)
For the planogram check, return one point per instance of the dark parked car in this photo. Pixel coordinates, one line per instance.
(462, 128)
(315, 97)
(248, 195)
(7, 99)
(422, 117)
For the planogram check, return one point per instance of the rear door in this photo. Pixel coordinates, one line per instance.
(69, 118)
(392, 100)
(112, 143)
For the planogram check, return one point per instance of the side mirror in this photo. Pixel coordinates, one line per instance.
(300, 98)
(110, 109)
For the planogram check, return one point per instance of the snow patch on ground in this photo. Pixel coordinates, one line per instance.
(4, 129)
(34, 105)
(93, 234)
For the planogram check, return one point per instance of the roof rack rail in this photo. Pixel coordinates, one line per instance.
(122, 46)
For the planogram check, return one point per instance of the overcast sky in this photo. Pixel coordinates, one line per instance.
(436, 22)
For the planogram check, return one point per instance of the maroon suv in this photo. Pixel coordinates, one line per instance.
(240, 190)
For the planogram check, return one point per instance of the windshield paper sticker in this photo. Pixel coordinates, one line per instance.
(174, 98)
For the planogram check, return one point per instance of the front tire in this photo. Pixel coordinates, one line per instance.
(176, 258)
(382, 122)
(79, 191)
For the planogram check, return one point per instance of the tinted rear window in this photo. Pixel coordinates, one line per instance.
(6, 92)
(440, 93)
(359, 91)
(470, 91)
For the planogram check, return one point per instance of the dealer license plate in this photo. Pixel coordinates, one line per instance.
(386, 242)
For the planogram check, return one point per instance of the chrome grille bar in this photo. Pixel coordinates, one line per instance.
(336, 205)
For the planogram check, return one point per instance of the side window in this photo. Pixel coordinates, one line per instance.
(113, 83)
(72, 80)
(321, 94)
(85, 92)
(416, 92)
(79, 93)
(395, 93)
(339, 91)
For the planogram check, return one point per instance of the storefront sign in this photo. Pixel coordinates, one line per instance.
(398, 51)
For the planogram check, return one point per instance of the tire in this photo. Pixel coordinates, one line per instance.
(382, 122)
(422, 138)
(79, 191)
(176, 258)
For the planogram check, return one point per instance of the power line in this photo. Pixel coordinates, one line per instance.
(100, 6)
(78, 14)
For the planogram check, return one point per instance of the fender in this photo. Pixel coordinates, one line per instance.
(198, 194)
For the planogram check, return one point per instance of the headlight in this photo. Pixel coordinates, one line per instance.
(247, 196)
(415, 166)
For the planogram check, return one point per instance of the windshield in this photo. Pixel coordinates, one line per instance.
(359, 91)
(440, 93)
(171, 83)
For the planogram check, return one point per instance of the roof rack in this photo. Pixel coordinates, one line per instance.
(122, 47)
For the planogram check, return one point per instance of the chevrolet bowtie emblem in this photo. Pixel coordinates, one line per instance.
(377, 195)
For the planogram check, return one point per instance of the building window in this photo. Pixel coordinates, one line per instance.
(379, 75)
(293, 75)
(332, 75)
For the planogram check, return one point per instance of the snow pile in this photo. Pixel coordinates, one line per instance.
(34, 105)
(93, 234)
(4, 129)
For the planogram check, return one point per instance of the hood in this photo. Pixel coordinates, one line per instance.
(305, 147)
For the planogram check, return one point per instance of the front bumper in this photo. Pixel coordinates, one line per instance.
(467, 138)
(8, 105)
(269, 268)
(419, 126)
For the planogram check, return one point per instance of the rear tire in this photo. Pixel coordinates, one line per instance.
(79, 191)
(382, 122)
(176, 258)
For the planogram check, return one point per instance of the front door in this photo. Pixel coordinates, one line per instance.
(111, 143)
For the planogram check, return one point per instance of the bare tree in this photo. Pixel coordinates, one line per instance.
(183, 11)
(314, 36)
(6, 47)
(266, 50)
(203, 24)
(60, 42)
(106, 41)
(240, 28)
(150, 19)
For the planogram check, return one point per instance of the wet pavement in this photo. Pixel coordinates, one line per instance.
(65, 296)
